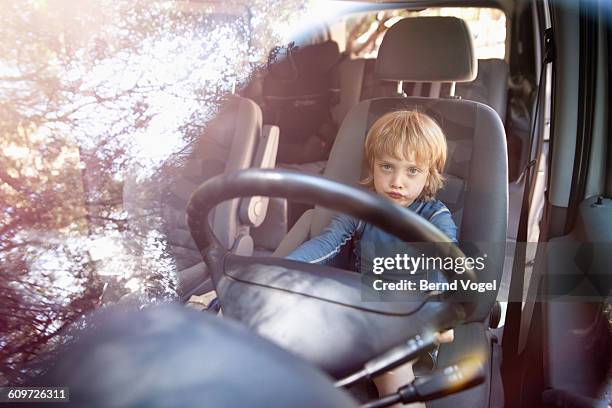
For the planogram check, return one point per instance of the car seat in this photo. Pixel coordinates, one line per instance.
(489, 87)
(235, 139)
(299, 91)
(438, 49)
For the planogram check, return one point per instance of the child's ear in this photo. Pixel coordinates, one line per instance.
(366, 181)
(367, 174)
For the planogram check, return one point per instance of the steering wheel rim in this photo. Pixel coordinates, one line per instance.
(311, 189)
(290, 302)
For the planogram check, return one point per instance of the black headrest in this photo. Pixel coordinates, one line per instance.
(313, 59)
(427, 49)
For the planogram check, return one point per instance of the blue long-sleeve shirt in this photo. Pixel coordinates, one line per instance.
(324, 248)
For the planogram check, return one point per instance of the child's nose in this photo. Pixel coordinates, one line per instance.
(396, 181)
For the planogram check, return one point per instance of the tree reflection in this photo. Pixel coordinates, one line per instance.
(93, 94)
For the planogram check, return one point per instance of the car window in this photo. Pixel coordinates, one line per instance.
(364, 32)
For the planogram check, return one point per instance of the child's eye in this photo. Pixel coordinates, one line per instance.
(386, 167)
(413, 171)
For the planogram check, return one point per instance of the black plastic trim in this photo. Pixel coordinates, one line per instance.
(587, 80)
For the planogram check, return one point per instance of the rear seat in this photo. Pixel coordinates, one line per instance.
(298, 92)
(490, 86)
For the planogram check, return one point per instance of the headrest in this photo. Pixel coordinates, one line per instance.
(427, 49)
(316, 58)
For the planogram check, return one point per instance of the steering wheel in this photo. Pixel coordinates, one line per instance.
(313, 310)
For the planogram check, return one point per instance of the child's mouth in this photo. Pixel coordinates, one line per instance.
(395, 196)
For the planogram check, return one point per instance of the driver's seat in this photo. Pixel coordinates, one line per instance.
(438, 49)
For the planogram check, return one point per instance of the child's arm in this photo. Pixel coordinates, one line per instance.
(323, 248)
(443, 219)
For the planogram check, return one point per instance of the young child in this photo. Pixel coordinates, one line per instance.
(404, 154)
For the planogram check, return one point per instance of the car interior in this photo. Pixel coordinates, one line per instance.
(162, 162)
(506, 185)
(308, 94)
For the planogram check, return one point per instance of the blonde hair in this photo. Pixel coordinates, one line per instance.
(407, 133)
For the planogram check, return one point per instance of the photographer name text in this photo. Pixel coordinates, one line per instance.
(425, 285)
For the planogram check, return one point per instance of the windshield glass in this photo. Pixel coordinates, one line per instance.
(100, 103)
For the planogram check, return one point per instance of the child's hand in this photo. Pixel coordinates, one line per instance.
(446, 337)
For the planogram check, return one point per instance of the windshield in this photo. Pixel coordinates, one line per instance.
(100, 103)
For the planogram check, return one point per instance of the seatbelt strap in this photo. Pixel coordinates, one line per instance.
(528, 166)
(512, 327)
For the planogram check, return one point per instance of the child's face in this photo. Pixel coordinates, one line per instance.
(401, 181)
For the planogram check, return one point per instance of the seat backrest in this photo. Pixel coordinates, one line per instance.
(476, 188)
(467, 126)
(234, 140)
(489, 87)
(299, 91)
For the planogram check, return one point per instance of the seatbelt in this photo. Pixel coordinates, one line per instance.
(510, 340)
